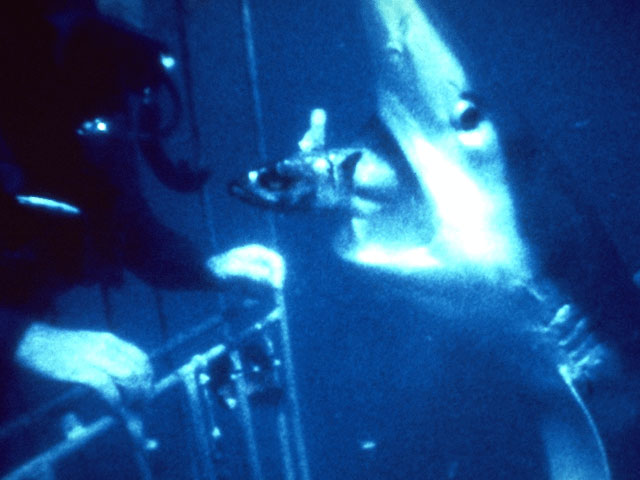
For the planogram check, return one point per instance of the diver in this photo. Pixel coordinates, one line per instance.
(81, 94)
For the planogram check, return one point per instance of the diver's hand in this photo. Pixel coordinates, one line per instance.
(252, 263)
(251, 275)
(100, 360)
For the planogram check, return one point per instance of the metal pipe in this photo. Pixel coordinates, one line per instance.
(285, 442)
(188, 376)
(284, 328)
(23, 421)
(42, 463)
(246, 417)
(292, 392)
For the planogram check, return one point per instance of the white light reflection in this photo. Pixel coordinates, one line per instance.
(167, 61)
(368, 445)
(89, 127)
(415, 258)
(47, 204)
(475, 138)
(465, 209)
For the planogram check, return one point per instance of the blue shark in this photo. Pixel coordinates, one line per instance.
(435, 212)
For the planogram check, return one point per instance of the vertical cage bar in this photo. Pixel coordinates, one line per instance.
(292, 395)
(206, 468)
(247, 419)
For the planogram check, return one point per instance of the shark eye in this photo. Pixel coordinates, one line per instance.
(466, 115)
(272, 180)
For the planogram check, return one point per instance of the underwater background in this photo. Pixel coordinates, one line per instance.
(571, 70)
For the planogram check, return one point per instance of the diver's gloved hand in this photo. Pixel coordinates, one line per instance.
(251, 275)
(252, 263)
(118, 370)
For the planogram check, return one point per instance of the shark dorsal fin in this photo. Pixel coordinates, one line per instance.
(314, 137)
(348, 168)
(348, 165)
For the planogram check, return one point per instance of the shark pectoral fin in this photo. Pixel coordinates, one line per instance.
(572, 442)
(568, 455)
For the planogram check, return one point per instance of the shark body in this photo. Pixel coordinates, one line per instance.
(432, 203)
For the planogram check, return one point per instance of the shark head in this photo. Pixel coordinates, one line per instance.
(448, 140)
(453, 210)
(429, 194)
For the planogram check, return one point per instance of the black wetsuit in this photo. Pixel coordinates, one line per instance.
(62, 64)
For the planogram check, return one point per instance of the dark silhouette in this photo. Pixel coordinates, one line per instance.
(68, 133)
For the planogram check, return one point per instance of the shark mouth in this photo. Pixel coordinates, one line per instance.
(408, 257)
(399, 236)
